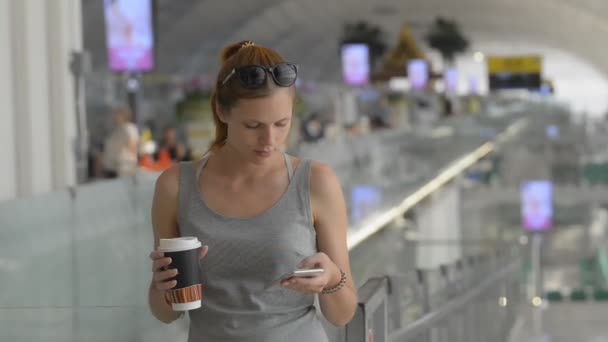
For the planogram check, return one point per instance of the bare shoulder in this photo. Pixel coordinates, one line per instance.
(325, 191)
(164, 204)
(167, 184)
(323, 180)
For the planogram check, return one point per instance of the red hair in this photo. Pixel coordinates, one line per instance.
(226, 96)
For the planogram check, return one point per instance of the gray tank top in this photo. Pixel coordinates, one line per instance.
(241, 299)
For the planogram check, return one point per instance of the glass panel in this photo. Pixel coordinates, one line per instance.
(36, 252)
(106, 251)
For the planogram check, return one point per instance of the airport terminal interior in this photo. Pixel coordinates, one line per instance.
(469, 138)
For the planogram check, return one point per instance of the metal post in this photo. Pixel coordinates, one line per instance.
(79, 65)
(371, 318)
(133, 87)
(357, 327)
(537, 270)
(537, 283)
(396, 292)
(426, 303)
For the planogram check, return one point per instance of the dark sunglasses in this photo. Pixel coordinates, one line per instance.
(254, 76)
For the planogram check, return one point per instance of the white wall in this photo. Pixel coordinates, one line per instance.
(8, 188)
(37, 116)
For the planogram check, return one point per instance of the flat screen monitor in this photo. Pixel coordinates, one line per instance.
(364, 201)
(129, 35)
(418, 74)
(553, 132)
(450, 79)
(537, 206)
(355, 64)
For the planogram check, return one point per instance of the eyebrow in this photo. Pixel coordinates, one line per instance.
(260, 122)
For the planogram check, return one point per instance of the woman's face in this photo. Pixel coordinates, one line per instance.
(258, 127)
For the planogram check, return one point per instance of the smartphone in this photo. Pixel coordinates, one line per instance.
(306, 273)
(300, 273)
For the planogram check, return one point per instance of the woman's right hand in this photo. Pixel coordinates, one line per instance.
(162, 274)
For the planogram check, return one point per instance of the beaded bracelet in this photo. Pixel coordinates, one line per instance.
(338, 286)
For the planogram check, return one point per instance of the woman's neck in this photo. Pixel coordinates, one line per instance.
(231, 163)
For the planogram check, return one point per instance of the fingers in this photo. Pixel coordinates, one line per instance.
(159, 264)
(308, 263)
(304, 285)
(164, 275)
(204, 251)
(313, 284)
(161, 277)
(156, 255)
(313, 261)
(165, 285)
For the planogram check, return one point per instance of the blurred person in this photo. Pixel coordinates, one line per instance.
(261, 214)
(377, 123)
(381, 117)
(119, 157)
(170, 145)
(312, 128)
(446, 106)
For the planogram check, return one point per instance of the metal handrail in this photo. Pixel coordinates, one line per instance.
(473, 279)
(422, 325)
(379, 222)
(372, 300)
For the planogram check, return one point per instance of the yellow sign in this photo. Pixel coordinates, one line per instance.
(515, 65)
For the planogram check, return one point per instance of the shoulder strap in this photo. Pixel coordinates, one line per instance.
(289, 164)
(302, 179)
(200, 168)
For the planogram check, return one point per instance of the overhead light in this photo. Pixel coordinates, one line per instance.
(479, 57)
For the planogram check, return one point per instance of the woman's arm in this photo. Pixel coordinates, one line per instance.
(164, 222)
(331, 224)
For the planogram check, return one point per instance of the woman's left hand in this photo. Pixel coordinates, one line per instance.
(312, 285)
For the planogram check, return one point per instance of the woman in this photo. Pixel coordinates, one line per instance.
(261, 213)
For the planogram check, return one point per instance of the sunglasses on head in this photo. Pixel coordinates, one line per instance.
(254, 76)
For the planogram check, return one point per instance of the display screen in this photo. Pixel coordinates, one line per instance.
(515, 81)
(450, 79)
(473, 84)
(364, 201)
(129, 35)
(553, 132)
(355, 64)
(515, 72)
(537, 206)
(418, 74)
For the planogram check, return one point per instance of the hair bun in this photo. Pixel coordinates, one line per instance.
(232, 49)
